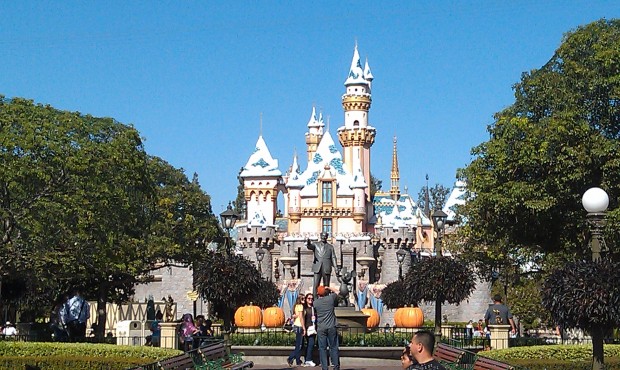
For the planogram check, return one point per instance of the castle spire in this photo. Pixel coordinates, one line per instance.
(314, 134)
(395, 175)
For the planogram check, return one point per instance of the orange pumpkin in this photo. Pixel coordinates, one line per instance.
(373, 317)
(273, 317)
(409, 317)
(248, 317)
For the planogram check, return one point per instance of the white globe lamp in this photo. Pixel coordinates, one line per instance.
(595, 200)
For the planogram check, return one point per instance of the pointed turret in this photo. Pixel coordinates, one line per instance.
(314, 134)
(395, 175)
(356, 73)
(368, 74)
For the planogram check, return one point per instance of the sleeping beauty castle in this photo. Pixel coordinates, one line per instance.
(374, 235)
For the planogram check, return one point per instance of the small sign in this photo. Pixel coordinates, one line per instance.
(192, 295)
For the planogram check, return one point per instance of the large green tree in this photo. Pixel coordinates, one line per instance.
(83, 204)
(559, 138)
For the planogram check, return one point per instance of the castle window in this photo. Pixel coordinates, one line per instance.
(326, 226)
(356, 123)
(327, 191)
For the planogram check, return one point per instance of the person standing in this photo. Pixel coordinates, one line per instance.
(187, 330)
(299, 330)
(421, 349)
(309, 324)
(74, 314)
(9, 329)
(156, 329)
(326, 323)
(324, 260)
(499, 314)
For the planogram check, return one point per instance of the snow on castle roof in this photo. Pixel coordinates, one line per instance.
(356, 73)
(261, 163)
(326, 162)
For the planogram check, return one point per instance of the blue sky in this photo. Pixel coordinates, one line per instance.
(194, 77)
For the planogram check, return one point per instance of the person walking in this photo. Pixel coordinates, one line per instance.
(499, 314)
(421, 349)
(156, 329)
(326, 323)
(299, 330)
(309, 324)
(74, 314)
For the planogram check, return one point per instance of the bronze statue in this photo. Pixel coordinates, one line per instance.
(324, 260)
(168, 308)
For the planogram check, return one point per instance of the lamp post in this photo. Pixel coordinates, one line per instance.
(260, 254)
(229, 218)
(400, 257)
(439, 222)
(595, 201)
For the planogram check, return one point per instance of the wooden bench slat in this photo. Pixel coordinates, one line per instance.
(485, 363)
(448, 354)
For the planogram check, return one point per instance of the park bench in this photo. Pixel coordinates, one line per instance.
(448, 355)
(214, 356)
(485, 363)
(181, 362)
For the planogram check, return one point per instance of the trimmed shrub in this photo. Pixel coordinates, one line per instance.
(79, 356)
(571, 353)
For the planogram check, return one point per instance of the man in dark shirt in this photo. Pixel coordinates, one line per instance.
(499, 314)
(421, 348)
(326, 326)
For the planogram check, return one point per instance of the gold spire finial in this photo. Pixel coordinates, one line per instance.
(395, 175)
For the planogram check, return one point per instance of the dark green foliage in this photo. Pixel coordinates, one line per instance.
(439, 278)
(229, 281)
(395, 295)
(584, 294)
(266, 294)
(437, 197)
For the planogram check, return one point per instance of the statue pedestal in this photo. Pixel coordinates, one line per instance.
(350, 317)
(499, 336)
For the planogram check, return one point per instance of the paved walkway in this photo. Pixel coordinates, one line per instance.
(347, 363)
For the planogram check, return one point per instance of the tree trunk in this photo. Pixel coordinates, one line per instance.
(101, 310)
(438, 317)
(597, 347)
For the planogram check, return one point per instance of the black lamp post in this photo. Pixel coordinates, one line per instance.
(260, 254)
(400, 257)
(595, 201)
(439, 221)
(229, 218)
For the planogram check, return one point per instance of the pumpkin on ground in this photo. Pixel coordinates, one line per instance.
(248, 317)
(273, 317)
(373, 318)
(409, 317)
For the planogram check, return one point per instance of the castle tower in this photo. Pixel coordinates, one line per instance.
(395, 175)
(356, 136)
(261, 183)
(314, 134)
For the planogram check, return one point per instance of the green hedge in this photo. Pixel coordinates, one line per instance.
(14, 355)
(376, 339)
(574, 353)
(611, 363)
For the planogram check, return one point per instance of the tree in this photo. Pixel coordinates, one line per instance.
(375, 186)
(82, 204)
(585, 295)
(229, 281)
(559, 138)
(437, 197)
(240, 205)
(437, 279)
